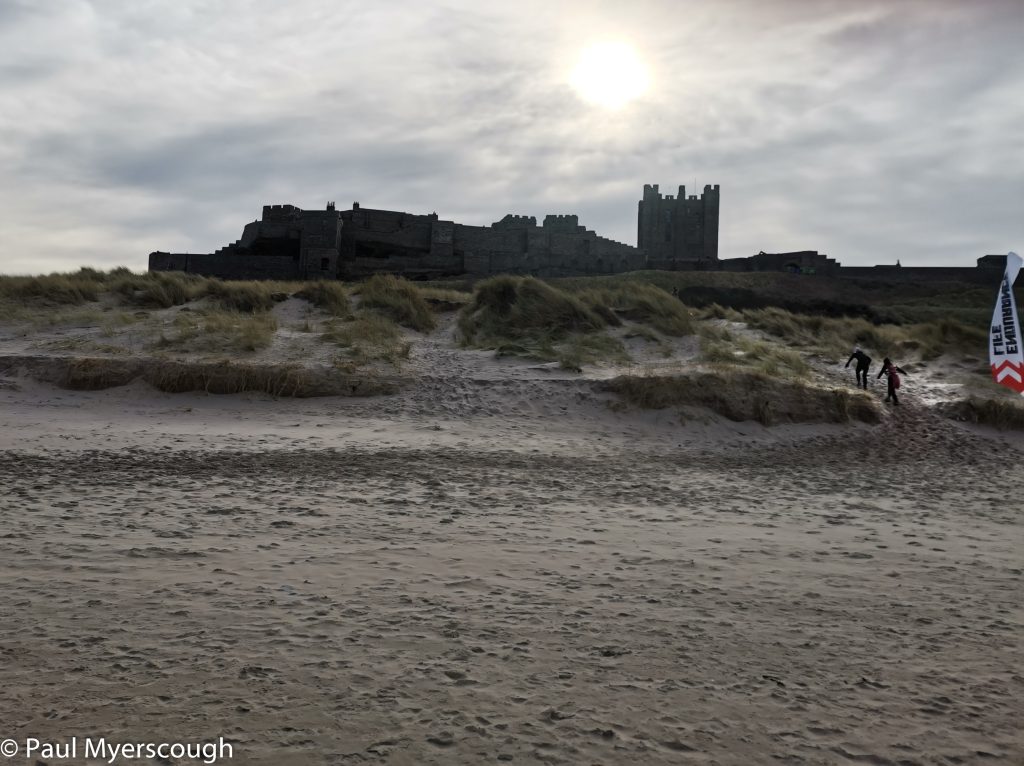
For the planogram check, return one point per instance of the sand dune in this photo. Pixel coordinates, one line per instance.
(468, 573)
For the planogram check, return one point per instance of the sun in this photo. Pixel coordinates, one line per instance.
(609, 74)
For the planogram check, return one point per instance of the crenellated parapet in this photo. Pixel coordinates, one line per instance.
(280, 212)
(563, 223)
(515, 222)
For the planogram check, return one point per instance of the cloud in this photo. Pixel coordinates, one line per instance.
(871, 131)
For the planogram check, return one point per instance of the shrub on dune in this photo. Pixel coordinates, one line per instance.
(240, 296)
(52, 289)
(398, 299)
(156, 290)
(508, 308)
(369, 337)
(329, 296)
(641, 302)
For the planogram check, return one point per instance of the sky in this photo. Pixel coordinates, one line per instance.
(872, 131)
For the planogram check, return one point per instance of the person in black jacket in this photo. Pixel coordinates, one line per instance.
(863, 363)
(893, 373)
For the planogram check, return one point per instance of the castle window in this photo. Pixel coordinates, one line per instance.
(324, 263)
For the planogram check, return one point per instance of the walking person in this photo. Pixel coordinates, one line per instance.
(893, 372)
(863, 363)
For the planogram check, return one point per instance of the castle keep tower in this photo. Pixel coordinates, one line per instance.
(678, 232)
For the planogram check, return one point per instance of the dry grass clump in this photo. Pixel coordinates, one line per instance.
(718, 353)
(67, 317)
(219, 377)
(440, 299)
(369, 337)
(719, 346)
(229, 377)
(245, 297)
(95, 374)
(156, 289)
(746, 395)
(714, 311)
(837, 335)
(74, 343)
(329, 296)
(811, 330)
(644, 332)
(772, 360)
(115, 321)
(1003, 414)
(51, 290)
(580, 349)
(523, 316)
(219, 331)
(949, 335)
(509, 309)
(640, 302)
(398, 299)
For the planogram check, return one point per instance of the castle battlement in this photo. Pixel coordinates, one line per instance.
(515, 222)
(280, 213)
(562, 222)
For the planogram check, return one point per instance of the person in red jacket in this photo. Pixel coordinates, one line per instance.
(893, 372)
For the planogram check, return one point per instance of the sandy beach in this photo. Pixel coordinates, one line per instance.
(440, 578)
(463, 382)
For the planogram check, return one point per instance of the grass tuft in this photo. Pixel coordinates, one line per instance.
(745, 395)
(580, 349)
(247, 297)
(640, 302)
(513, 310)
(52, 289)
(442, 300)
(219, 331)
(398, 299)
(329, 296)
(369, 337)
(1003, 414)
(836, 336)
(156, 290)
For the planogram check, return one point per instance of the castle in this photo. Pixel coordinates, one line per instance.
(677, 230)
(291, 243)
(674, 232)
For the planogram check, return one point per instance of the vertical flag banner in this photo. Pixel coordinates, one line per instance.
(1005, 353)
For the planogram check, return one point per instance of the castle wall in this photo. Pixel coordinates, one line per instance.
(228, 266)
(801, 262)
(320, 237)
(971, 274)
(561, 247)
(673, 233)
(389, 241)
(488, 250)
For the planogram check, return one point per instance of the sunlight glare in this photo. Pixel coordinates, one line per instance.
(609, 74)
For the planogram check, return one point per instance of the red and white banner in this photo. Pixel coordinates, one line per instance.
(1005, 352)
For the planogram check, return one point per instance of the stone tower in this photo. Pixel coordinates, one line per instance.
(678, 232)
